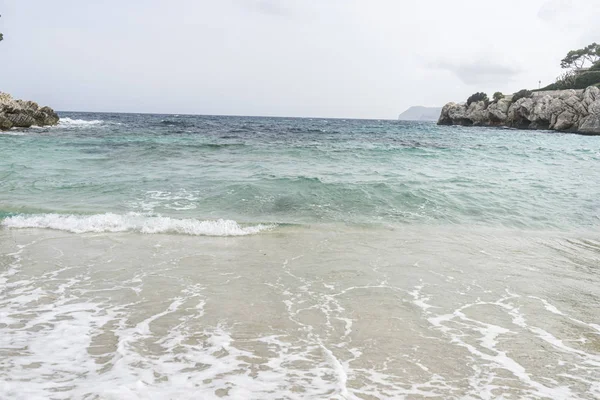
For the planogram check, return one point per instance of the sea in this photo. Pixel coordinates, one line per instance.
(219, 257)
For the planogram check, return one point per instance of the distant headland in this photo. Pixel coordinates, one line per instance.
(571, 104)
(420, 113)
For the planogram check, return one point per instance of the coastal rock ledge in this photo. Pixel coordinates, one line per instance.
(23, 114)
(576, 111)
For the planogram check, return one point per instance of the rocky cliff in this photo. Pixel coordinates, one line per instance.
(562, 110)
(23, 114)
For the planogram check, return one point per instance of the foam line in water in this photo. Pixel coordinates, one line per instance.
(132, 222)
(73, 122)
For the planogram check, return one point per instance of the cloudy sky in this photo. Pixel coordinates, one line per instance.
(319, 58)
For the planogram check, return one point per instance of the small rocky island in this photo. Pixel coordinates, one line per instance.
(24, 114)
(569, 110)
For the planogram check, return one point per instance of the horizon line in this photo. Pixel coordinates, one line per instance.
(225, 115)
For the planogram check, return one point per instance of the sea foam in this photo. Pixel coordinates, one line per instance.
(132, 222)
(74, 122)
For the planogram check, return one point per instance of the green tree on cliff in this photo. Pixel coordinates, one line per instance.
(578, 59)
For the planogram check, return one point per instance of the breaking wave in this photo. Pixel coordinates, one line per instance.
(78, 122)
(132, 222)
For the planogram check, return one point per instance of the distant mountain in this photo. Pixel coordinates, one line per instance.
(419, 113)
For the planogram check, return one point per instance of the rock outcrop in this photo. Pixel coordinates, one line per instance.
(575, 111)
(23, 114)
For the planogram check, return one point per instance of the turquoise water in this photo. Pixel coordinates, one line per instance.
(299, 171)
(363, 260)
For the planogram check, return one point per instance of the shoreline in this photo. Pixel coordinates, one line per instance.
(366, 314)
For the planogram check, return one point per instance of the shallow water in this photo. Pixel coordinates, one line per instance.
(321, 259)
(277, 170)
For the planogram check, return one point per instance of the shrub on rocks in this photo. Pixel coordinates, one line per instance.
(479, 96)
(586, 79)
(522, 94)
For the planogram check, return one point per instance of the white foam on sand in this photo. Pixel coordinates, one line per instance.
(132, 222)
(98, 316)
(487, 351)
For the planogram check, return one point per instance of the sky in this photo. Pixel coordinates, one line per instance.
(303, 58)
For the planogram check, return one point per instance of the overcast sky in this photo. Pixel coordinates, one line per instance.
(319, 58)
